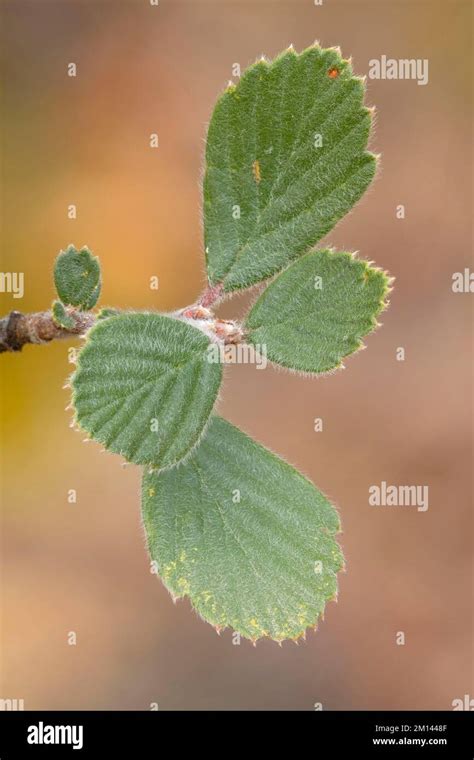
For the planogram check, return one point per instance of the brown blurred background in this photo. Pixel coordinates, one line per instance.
(83, 567)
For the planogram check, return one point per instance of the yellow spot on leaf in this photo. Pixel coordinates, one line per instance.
(256, 171)
(183, 585)
(168, 571)
(257, 628)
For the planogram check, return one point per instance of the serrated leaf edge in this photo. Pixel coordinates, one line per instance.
(75, 422)
(383, 305)
(218, 628)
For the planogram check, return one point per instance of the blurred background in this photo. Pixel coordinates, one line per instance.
(83, 567)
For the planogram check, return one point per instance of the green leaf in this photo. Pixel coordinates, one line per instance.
(271, 190)
(317, 311)
(61, 317)
(77, 277)
(253, 563)
(107, 312)
(144, 387)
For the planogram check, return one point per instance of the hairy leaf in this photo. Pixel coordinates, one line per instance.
(144, 387)
(244, 535)
(77, 277)
(107, 312)
(61, 317)
(317, 311)
(285, 160)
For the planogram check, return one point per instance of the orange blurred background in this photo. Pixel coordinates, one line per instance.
(83, 567)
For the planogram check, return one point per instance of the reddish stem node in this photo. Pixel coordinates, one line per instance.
(211, 295)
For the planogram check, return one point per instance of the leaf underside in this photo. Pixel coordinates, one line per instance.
(251, 564)
(285, 160)
(77, 277)
(144, 387)
(317, 311)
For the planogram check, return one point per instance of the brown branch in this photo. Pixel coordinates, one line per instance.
(17, 329)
